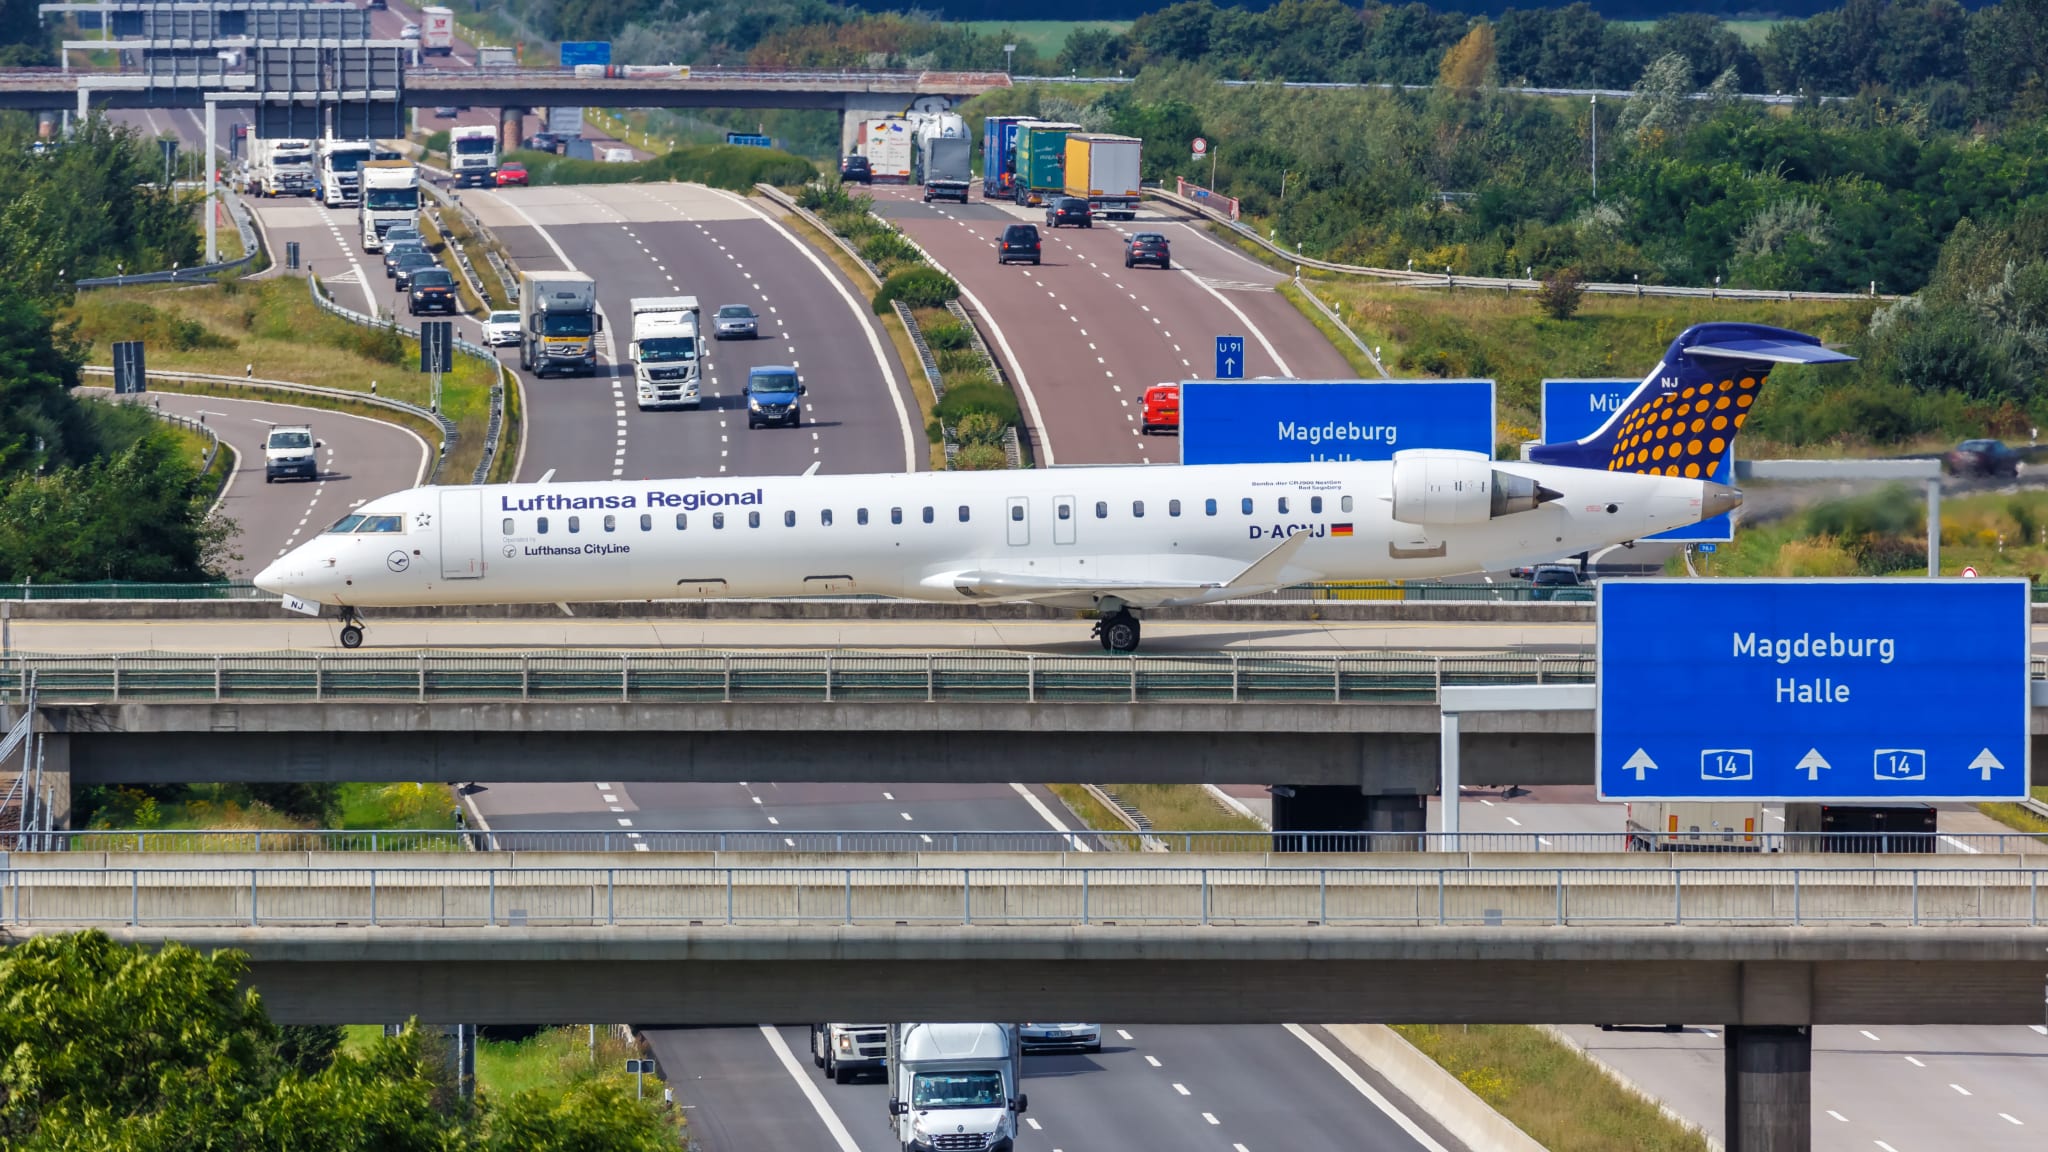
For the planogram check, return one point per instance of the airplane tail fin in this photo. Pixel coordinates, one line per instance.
(1680, 420)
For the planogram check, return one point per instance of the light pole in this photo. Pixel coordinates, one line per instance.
(1596, 147)
(1009, 53)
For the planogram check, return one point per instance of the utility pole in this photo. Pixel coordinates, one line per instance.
(1596, 146)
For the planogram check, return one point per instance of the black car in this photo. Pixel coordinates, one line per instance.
(855, 169)
(1068, 210)
(543, 142)
(1019, 242)
(1147, 248)
(410, 262)
(393, 249)
(1982, 458)
(432, 290)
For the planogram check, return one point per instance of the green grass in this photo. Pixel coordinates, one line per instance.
(1093, 813)
(275, 326)
(357, 1038)
(1047, 36)
(1182, 808)
(1548, 1091)
(1750, 32)
(2015, 817)
(1884, 533)
(226, 807)
(555, 1058)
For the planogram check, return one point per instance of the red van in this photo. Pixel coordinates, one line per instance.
(1162, 409)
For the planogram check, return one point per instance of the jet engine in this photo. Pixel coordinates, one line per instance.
(1442, 486)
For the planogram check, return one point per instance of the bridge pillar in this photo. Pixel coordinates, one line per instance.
(1768, 1070)
(54, 782)
(1345, 808)
(511, 128)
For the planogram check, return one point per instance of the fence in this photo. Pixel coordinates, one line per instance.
(1303, 898)
(730, 677)
(149, 841)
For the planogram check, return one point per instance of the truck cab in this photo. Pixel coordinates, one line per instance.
(291, 452)
(473, 155)
(845, 1050)
(774, 397)
(667, 352)
(559, 323)
(955, 1086)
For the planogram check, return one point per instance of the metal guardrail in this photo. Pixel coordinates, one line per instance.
(251, 248)
(1308, 291)
(1300, 898)
(213, 446)
(1776, 98)
(729, 677)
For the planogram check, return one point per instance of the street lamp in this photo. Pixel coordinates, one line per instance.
(1009, 51)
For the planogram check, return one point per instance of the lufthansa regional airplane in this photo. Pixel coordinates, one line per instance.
(1121, 540)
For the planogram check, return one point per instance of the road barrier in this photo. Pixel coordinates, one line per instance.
(1299, 898)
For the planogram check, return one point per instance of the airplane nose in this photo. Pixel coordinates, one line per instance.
(1716, 499)
(276, 575)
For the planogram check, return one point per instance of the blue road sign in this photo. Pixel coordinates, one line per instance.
(1709, 547)
(1260, 421)
(576, 52)
(1575, 408)
(1230, 357)
(749, 140)
(1840, 690)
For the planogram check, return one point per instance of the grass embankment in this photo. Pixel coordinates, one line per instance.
(1046, 36)
(1550, 1092)
(1361, 364)
(442, 246)
(1171, 808)
(727, 166)
(2015, 817)
(631, 128)
(1884, 533)
(557, 1057)
(273, 328)
(232, 808)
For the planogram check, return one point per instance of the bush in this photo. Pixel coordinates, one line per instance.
(719, 165)
(1561, 294)
(921, 286)
(947, 336)
(978, 395)
(979, 458)
(886, 247)
(980, 428)
(961, 360)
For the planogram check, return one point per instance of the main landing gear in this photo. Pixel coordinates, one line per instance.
(351, 628)
(1118, 630)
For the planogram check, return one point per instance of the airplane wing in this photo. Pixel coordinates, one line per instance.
(1260, 575)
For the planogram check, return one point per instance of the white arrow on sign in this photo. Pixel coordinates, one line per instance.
(1984, 763)
(1638, 764)
(1811, 764)
(1229, 364)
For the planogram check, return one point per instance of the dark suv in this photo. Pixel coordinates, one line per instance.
(1982, 458)
(855, 168)
(1068, 210)
(432, 290)
(1019, 242)
(1147, 248)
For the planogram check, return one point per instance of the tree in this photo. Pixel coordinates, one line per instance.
(1561, 294)
(593, 1116)
(1470, 63)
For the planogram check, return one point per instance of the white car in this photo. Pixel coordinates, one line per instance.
(501, 328)
(1086, 1037)
(409, 32)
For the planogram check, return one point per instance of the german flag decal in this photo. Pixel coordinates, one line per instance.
(1340, 529)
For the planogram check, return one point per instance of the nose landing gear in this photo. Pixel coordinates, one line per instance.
(1118, 631)
(351, 628)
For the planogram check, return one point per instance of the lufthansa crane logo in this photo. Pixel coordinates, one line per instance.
(511, 551)
(397, 561)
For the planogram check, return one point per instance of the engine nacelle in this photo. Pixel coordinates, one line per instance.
(1444, 486)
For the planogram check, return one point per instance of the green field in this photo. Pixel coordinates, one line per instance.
(1752, 32)
(1047, 36)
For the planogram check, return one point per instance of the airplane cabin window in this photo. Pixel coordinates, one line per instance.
(789, 519)
(1102, 509)
(646, 522)
(1344, 503)
(682, 521)
(1173, 507)
(927, 513)
(1315, 504)
(611, 523)
(825, 517)
(1247, 506)
(508, 525)
(1138, 509)
(1066, 511)
(1283, 505)
(381, 524)
(1016, 512)
(541, 526)
(753, 519)
(1208, 507)
(860, 515)
(575, 523)
(963, 513)
(895, 515)
(718, 519)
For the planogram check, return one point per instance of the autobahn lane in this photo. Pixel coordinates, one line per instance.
(1087, 336)
(359, 461)
(669, 239)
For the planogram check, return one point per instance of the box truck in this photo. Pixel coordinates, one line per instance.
(473, 155)
(1814, 827)
(1694, 826)
(666, 351)
(437, 32)
(558, 323)
(942, 162)
(955, 1086)
(391, 195)
(887, 143)
(1041, 162)
(999, 154)
(1104, 170)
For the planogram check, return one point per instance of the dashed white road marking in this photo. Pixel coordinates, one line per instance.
(1152, 1060)
(1914, 1062)
(1182, 1089)
(1838, 1116)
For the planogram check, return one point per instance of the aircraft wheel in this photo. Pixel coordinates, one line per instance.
(351, 637)
(1119, 633)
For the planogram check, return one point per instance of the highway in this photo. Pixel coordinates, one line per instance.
(359, 461)
(1084, 336)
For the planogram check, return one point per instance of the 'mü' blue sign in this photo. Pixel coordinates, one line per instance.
(1576, 408)
(1230, 358)
(1844, 690)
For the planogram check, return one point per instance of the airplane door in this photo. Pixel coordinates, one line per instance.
(1063, 519)
(462, 533)
(1020, 520)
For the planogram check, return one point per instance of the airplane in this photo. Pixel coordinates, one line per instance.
(1122, 540)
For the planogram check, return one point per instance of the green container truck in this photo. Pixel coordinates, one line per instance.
(1041, 161)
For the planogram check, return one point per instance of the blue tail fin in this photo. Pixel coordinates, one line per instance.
(1680, 420)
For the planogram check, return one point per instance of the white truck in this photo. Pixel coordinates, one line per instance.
(437, 31)
(559, 322)
(955, 1086)
(473, 155)
(667, 351)
(1695, 826)
(289, 451)
(888, 142)
(943, 157)
(391, 195)
(279, 167)
(337, 179)
(844, 1050)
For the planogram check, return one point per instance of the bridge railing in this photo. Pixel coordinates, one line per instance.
(744, 676)
(1300, 898)
(1674, 848)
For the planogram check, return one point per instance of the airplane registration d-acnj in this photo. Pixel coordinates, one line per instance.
(1121, 540)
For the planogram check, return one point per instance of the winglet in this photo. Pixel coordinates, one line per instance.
(1265, 571)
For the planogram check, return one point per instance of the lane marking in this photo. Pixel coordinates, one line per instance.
(1960, 1090)
(1352, 1078)
(1182, 1089)
(1122, 1035)
(1838, 1116)
(1152, 1060)
(833, 1125)
(1211, 1118)
(1045, 814)
(1035, 1126)
(1915, 1063)
(2010, 1119)
(1869, 1035)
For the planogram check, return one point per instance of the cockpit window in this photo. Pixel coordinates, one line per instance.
(381, 524)
(346, 523)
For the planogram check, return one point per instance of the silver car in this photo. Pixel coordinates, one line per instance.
(1086, 1037)
(734, 321)
(501, 328)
